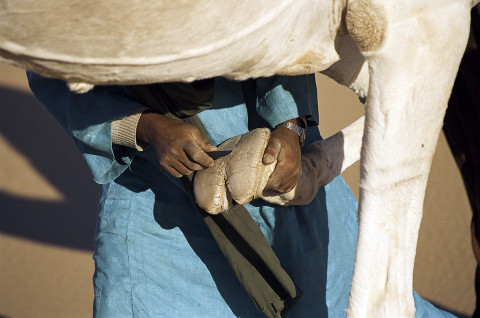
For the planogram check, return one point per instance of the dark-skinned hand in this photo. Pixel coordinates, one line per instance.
(285, 148)
(180, 147)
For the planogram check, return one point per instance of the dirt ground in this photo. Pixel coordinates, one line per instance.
(48, 204)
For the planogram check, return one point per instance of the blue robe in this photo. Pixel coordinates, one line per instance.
(154, 256)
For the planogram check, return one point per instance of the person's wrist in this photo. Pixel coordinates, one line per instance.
(145, 126)
(299, 121)
(296, 126)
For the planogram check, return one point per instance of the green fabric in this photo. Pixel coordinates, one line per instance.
(252, 259)
(176, 100)
(238, 236)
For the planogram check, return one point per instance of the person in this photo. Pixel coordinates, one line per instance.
(154, 256)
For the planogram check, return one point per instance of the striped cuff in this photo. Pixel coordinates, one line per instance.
(124, 131)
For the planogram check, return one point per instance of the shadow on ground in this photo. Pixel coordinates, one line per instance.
(26, 125)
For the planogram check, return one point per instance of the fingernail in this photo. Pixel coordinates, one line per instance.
(268, 158)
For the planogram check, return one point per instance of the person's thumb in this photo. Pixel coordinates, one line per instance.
(206, 145)
(271, 152)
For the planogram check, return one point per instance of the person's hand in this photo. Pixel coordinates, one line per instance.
(180, 147)
(283, 146)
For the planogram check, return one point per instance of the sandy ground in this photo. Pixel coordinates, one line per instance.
(48, 203)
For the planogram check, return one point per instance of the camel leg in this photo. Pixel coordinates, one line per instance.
(411, 76)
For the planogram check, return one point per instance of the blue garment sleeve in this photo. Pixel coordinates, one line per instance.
(87, 118)
(280, 98)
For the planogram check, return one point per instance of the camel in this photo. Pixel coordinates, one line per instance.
(402, 56)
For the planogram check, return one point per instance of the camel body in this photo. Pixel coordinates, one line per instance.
(402, 56)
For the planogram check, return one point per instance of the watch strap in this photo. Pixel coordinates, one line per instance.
(301, 132)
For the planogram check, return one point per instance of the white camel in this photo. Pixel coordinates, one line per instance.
(402, 55)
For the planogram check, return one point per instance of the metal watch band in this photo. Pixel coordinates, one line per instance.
(301, 132)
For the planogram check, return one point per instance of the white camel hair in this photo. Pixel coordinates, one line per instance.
(402, 55)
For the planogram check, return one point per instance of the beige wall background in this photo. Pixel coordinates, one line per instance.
(48, 205)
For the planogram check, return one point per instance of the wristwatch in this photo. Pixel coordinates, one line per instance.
(300, 131)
